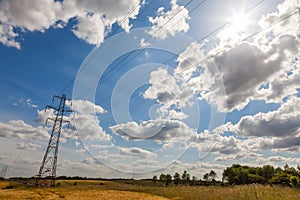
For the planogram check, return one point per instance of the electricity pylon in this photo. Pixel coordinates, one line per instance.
(49, 162)
(4, 170)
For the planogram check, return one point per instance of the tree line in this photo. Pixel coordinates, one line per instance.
(236, 175)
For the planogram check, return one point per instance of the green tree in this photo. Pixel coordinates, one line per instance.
(162, 178)
(206, 177)
(168, 179)
(228, 175)
(194, 180)
(267, 172)
(212, 175)
(185, 178)
(154, 180)
(294, 181)
(176, 178)
(281, 178)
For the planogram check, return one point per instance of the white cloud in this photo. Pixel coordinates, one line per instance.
(90, 28)
(232, 74)
(245, 68)
(288, 26)
(291, 144)
(168, 91)
(84, 123)
(85, 107)
(77, 143)
(189, 61)
(28, 146)
(93, 17)
(284, 122)
(7, 36)
(43, 115)
(81, 151)
(215, 143)
(88, 128)
(30, 103)
(238, 157)
(134, 151)
(23, 102)
(275, 159)
(277, 130)
(170, 22)
(101, 146)
(143, 43)
(163, 87)
(159, 130)
(19, 129)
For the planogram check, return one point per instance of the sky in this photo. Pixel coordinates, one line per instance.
(154, 86)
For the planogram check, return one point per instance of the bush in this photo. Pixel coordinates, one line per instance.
(294, 181)
(8, 187)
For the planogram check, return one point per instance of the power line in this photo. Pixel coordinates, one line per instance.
(223, 26)
(151, 36)
(105, 76)
(122, 21)
(198, 41)
(244, 39)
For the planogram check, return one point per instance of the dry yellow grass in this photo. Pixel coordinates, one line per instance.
(3, 184)
(86, 189)
(71, 194)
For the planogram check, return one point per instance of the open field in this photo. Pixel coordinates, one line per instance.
(85, 189)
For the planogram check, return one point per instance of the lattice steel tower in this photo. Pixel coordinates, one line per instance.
(49, 162)
(4, 171)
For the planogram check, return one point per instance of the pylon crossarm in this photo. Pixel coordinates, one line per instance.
(48, 106)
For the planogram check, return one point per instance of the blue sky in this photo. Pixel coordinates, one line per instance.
(157, 86)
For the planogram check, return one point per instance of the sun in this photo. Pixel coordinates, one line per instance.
(236, 28)
(238, 22)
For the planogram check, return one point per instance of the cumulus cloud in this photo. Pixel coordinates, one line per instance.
(27, 146)
(85, 107)
(246, 68)
(170, 92)
(81, 151)
(275, 159)
(240, 156)
(277, 130)
(18, 129)
(93, 18)
(160, 130)
(189, 61)
(287, 26)
(232, 73)
(283, 122)
(163, 87)
(84, 122)
(170, 22)
(262, 69)
(226, 147)
(88, 128)
(134, 151)
(291, 144)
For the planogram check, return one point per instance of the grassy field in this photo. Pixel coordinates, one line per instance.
(85, 189)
